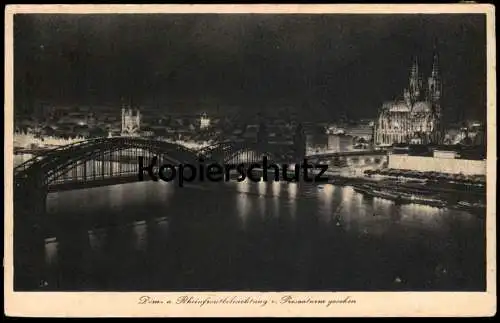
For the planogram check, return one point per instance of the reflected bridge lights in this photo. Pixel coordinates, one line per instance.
(51, 250)
(347, 194)
(379, 202)
(276, 188)
(292, 190)
(140, 234)
(359, 198)
(262, 187)
(327, 191)
(244, 185)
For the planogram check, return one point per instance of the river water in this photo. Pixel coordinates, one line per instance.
(257, 236)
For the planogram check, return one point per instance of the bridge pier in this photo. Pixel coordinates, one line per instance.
(29, 239)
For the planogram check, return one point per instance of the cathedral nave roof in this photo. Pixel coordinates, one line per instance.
(422, 106)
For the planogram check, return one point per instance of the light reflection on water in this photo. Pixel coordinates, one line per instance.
(262, 187)
(276, 189)
(292, 190)
(325, 200)
(141, 235)
(254, 206)
(292, 198)
(51, 249)
(254, 198)
(243, 205)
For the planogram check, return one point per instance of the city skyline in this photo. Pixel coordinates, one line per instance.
(311, 63)
(250, 61)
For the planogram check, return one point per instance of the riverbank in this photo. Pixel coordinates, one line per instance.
(405, 195)
(398, 192)
(457, 191)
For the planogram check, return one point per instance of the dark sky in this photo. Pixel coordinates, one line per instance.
(323, 64)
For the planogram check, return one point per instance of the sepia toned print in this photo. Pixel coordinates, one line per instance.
(392, 110)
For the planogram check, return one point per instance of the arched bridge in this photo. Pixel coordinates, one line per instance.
(117, 157)
(113, 160)
(244, 152)
(105, 158)
(52, 164)
(90, 162)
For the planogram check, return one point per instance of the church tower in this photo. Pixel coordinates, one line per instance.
(131, 124)
(412, 94)
(415, 82)
(434, 97)
(434, 86)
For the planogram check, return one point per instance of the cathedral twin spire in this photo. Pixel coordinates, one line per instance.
(415, 80)
(415, 90)
(435, 67)
(434, 86)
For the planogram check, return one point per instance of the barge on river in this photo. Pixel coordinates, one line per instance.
(397, 196)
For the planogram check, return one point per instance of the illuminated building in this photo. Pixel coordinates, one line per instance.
(339, 143)
(204, 122)
(417, 117)
(131, 123)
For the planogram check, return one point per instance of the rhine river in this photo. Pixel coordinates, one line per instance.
(256, 236)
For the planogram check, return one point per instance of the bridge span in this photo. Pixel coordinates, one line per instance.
(105, 158)
(108, 160)
(105, 161)
(94, 160)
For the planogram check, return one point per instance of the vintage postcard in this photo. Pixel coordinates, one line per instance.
(250, 160)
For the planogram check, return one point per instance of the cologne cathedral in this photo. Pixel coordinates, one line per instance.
(416, 118)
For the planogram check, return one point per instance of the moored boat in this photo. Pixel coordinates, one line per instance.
(464, 204)
(424, 200)
(362, 189)
(398, 197)
(388, 195)
(471, 206)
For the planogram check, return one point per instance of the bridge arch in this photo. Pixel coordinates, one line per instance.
(238, 152)
(32, 179)
(43, 169)
(247, 156)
